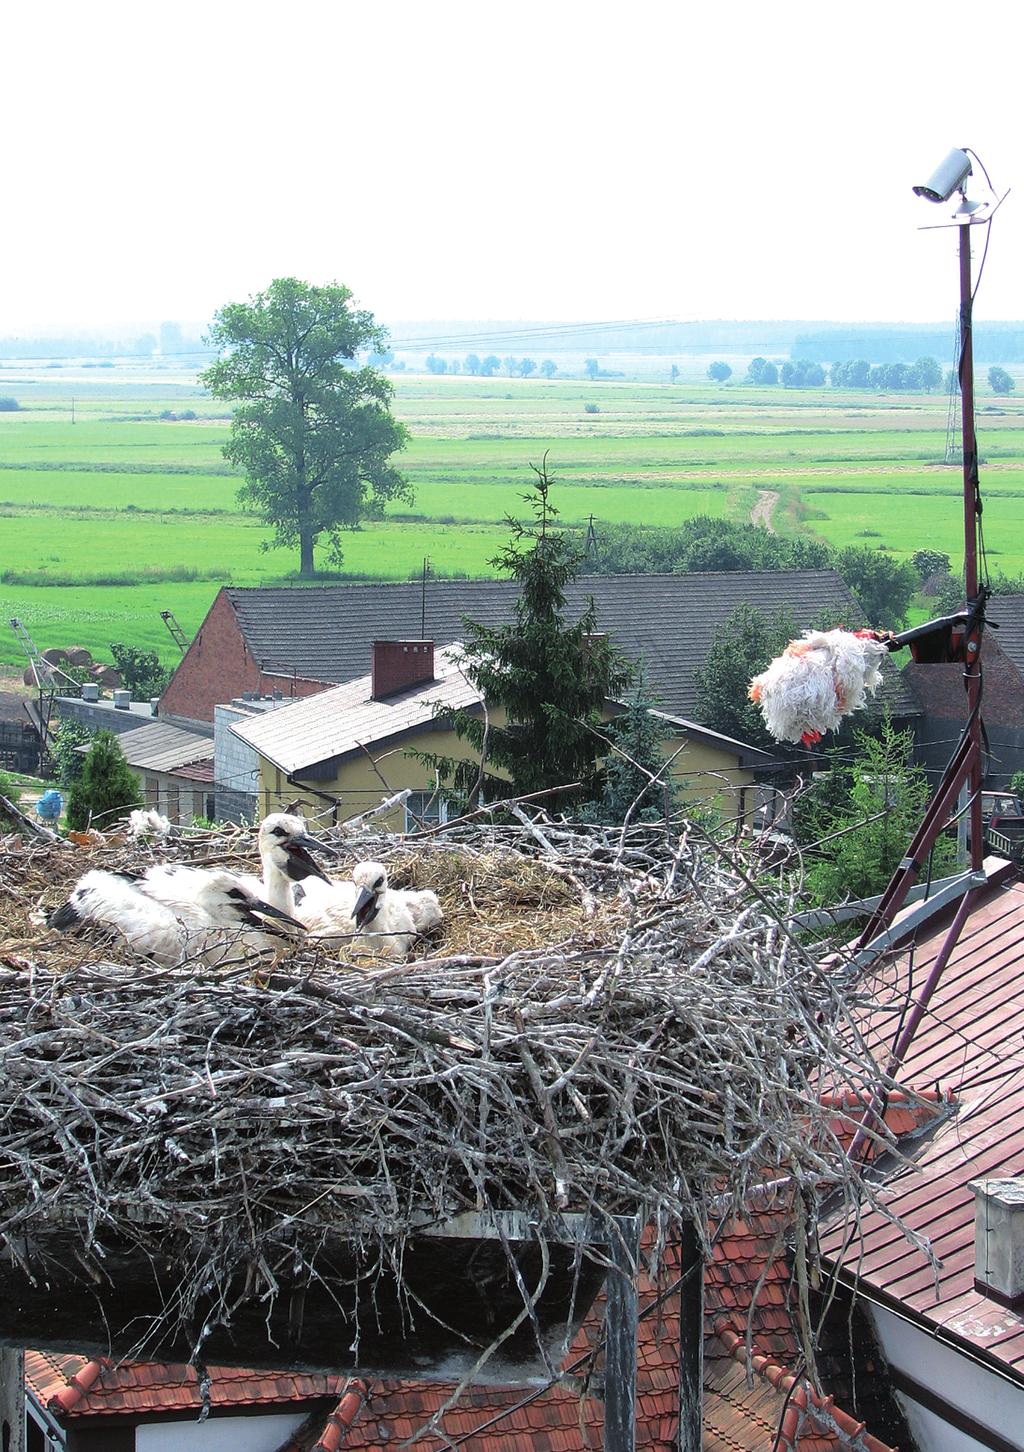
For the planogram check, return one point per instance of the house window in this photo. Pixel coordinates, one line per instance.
(425, 809)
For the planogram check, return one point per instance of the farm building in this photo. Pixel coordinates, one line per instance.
(338, 749)
(952, 1330)
(295, 642)
(259, 648)
(19, 739)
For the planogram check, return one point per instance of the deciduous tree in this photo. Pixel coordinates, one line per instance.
(140, 670)
(719, 372)
(313, 434)
(930, 562)
(1000, 381)
(883, 586)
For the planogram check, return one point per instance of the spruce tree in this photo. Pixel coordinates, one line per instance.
(550, 674)
(107, 789)
(636, 755)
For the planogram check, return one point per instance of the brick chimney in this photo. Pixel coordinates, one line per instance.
(999, 1239)
(398, 664)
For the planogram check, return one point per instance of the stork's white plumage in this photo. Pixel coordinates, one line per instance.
(148, 824)
(111, 905)
(228, 918)
(325, 908)
(382, 916)
(364, 911)
(425, 908)
(284, 848)
(816, 681)
(173, 914)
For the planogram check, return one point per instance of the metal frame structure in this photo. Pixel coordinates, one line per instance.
(45, 674)
(965, 768)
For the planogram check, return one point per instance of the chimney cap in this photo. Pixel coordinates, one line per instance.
(1009, 1191)
(999, 1239)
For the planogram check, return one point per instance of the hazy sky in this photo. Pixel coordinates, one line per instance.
(547, 160)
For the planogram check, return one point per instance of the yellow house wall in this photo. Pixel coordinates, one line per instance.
(704, 775)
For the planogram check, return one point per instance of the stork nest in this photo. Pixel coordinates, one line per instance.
(615, 1023)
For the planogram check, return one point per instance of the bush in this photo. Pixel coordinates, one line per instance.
(107, 790)
(930, 562)
(9, 405)
(591, 408)
(140, 670)
(9, 789)
(67, 761)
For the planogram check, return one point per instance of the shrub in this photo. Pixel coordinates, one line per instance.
(107, 790)
(67, 761)
(9, 405)
(591, 408)
(12, 792)
(140, 670)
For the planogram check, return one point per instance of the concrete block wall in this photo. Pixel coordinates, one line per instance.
(102, 715)
(235, 767)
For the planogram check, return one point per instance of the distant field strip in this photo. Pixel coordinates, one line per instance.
(109, 520)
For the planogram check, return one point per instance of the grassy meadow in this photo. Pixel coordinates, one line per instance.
(109, 519)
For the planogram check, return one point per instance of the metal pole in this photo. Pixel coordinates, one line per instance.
(972, 509)
(620, 1339)
(691, 1341)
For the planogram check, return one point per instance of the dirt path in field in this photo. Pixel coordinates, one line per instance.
(762, 510)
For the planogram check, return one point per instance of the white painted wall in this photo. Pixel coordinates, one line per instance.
(262, 1433)
(990, 1399)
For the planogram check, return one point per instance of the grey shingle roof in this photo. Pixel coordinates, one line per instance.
(1007, 611)
(162, 748)
(324, 632)
(338, 722)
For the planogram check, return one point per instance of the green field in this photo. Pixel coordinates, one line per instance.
(110, 519)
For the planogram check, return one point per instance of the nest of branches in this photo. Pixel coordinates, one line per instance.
(613, 1023)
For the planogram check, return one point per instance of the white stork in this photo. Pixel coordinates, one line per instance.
(173, 914)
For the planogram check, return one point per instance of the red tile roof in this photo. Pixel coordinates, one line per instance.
(767, 1409)
(76, 1386)
(971, 1041)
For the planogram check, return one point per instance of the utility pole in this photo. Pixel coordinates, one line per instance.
(972, 517)
(423, 599)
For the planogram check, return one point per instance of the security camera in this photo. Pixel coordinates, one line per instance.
(948, 177)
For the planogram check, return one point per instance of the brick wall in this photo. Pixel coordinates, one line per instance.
(399, 664)
(218, 666)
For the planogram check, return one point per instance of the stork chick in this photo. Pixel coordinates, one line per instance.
(173, 914)
(284, 847)
(381, 915)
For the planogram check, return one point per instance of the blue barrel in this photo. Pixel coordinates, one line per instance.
(50, 805)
